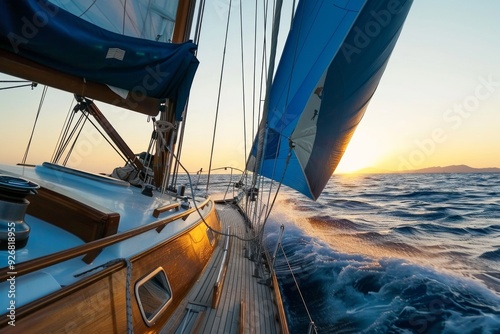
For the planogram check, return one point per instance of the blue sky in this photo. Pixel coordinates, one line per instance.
(437, 104)
(425, 111)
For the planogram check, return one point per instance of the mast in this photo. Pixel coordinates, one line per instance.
(163, 159)
(185, 12)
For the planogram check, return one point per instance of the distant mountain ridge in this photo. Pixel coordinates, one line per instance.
(437, 169)
(457, 169)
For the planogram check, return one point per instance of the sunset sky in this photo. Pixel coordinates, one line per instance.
(437, 104)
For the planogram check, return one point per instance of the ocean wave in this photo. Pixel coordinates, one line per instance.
(302, 205)
(418, 216)
(495, 228)
(401, 248)
(491, 210)
(439, 228)
(353, 294)
(336, 223)
(493, 255)
(431, 195)
(489, 230)
(407, 230)
(350, 204)
(362, 255)
(454, 218)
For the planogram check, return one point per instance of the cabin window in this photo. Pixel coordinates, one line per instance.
(153, 294)
(211, 236)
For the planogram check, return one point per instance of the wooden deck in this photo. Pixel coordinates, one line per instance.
(246, 305)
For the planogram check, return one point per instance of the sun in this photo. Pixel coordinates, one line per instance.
(352, 164)
(360, 154)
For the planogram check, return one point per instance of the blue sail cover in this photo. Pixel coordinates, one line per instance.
(330, 67)
(48, 35)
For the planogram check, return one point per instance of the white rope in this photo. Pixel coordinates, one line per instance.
(130, 323)
(162, 127)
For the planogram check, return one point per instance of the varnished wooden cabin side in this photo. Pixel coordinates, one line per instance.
(183, 260)
(98, 303)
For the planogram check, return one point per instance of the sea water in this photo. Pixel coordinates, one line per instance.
(392, 253)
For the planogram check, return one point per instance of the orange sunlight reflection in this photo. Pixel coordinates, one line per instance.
(356, 159)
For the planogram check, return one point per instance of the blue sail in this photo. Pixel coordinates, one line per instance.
(332, 62)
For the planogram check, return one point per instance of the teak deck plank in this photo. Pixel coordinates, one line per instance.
(239, 286)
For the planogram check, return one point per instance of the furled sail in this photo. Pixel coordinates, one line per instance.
(147, 19)
(47, 40)
(330, 67)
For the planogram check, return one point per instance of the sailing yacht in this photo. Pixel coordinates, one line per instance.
(139, 249)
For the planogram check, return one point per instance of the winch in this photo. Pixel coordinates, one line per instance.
(14, 232)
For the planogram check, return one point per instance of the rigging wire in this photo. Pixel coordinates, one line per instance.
(124, 16)
(263, 79)
(87, 118)
(42, 99)
(88, 8)
(287, 98)
(254, 68)
(271, 205)
(197, 34)
(272, 60)
(219, 93)
(282, 124)
(31, 84)
(261, 229)
(298, 288)
(67, 136)
(106, 139)
(243, 83)
(199, 21)
(270, 200)
(74, 141)
(263, 73)
(198, 210)
(261, 147)
(179, 145)
(64, 130)
(147, 20)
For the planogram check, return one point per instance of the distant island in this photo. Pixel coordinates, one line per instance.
(438, 169)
